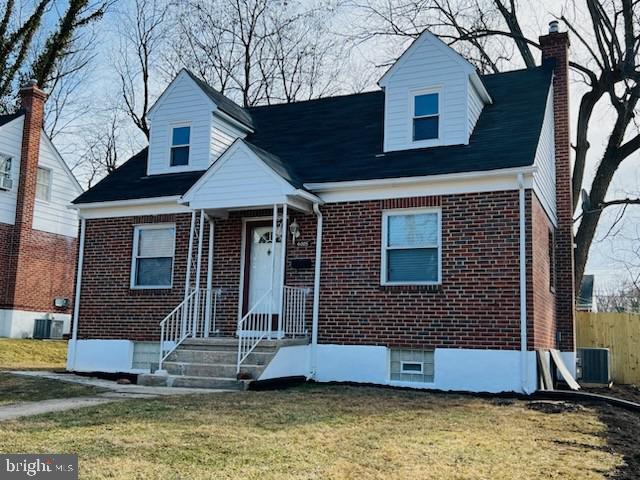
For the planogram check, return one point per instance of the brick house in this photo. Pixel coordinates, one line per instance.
(38, 231)
(419, 235)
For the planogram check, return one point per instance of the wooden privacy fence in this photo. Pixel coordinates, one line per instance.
(620, 333)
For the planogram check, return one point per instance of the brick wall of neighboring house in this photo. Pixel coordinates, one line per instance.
(39, 265)
(556, 46)
(542, 287)
(6, 236)
(477, 305)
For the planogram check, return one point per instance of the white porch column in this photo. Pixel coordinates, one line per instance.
(274, 226)
(187, 277)
(207, 317)
(198, 300)
(283, 256)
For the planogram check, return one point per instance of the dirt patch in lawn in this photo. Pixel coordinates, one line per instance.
(19, 354)
(16, 388)
(622, 438)
(322, 432)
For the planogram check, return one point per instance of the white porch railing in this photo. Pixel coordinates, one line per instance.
(294, 306)
(194, 317)
(254, 327)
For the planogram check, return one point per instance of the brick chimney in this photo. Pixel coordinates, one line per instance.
(19, 273)
(33, 105)
(555, 52)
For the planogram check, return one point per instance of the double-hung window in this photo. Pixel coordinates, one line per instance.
(411, 247)
(5, 172)
(153, 253)
(43, 184)
(426, 116)
(180, 140)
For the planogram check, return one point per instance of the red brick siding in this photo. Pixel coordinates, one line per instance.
(6, 238)
(109, 308)
(556, 46)
(544, 301)
(477, 305)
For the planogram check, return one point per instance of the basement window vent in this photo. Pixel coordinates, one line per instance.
(411, 366)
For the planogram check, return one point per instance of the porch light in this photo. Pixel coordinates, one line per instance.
(294, 228)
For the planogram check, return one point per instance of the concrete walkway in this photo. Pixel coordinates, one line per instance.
(114, 392)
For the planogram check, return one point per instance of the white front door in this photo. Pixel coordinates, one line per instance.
(260, 269)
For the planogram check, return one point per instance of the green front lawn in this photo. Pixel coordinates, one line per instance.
(19, 354)
(16, 388)
(321, 432)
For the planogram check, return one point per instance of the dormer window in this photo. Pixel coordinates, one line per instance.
(426, 116)
(180, 146)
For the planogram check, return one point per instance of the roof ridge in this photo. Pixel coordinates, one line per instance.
(319, 99)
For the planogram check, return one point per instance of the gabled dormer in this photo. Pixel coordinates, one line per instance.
(433, 97)
(191, 125)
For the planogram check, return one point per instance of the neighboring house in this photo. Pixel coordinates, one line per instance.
(38, 231)
(586, 301)
(423, 234)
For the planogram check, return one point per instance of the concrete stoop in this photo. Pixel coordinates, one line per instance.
(212, 363)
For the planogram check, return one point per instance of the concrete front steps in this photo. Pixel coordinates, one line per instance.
(211, 363)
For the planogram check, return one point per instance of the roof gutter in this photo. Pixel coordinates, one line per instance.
(356, 184)
(124, 203)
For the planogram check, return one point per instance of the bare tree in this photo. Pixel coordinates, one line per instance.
(259, 51)
(142, 34)
(609, 40)
(18, 33)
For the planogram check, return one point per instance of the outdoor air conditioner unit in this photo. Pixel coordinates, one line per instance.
(594, 366)
(48, 328)
(57, 327)
(6, 183)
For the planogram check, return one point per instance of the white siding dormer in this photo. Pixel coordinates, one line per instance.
(184, 103)
(430, 66)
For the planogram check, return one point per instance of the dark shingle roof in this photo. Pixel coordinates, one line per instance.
(225, 104)
(340, 139)
(130, 181)
(4, 119)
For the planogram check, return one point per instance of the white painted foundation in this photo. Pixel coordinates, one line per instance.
(20, 323)
(471, 370)
(456, 369)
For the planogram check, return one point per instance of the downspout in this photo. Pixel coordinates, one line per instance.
(316, 294)
(524, 366)
(71, 364)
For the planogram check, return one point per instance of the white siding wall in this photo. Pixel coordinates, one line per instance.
(475, 106)
(222, 136)
(424, 66)
(544, 179)
(184, 101)
(54, 216)
(10, 144)
(241, 180)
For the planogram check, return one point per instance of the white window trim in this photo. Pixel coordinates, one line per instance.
(385, 225)
(8, 173)
(134, 256)
(50, 189)
(171, 145)
(411, 372)
(432, 142)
